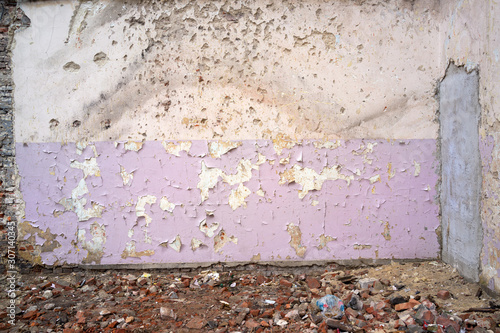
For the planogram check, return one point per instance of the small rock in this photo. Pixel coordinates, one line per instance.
(196, 323)
(32, 308)
(355, 303)
(153, 289)
(282, 323)
(47, 294)
(167, 313)
(294, 314)
(397, 299)
(104, 312)
(129, 319)
(366, 283)
(49, 306)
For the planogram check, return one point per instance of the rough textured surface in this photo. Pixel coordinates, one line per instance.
(461, 170)
(474, 44)
(231, 71)
(240, 206)
(11, 18)
(400, 298)
(143, 73)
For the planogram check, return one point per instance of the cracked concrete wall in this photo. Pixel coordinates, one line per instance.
(473, 43)
(206, 131)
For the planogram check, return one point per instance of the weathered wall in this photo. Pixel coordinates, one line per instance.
(11, 18)
(473, 43)
(459, 114)
(202, 131)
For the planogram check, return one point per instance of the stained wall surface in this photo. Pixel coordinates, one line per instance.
(474, 44)
(204, 131)
(460, 112)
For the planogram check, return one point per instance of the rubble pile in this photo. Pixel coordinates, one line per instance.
(400, 297)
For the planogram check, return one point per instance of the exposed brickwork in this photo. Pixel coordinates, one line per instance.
(11, 18)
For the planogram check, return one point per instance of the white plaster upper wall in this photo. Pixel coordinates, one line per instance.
(469, 34)
(204, 70)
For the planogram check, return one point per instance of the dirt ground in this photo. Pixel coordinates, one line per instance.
(399, 297)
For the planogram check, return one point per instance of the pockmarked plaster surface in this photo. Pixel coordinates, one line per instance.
(211, 70)
(356, 199)
(205, 131)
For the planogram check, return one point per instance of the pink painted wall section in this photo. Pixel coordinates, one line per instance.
(209, 201)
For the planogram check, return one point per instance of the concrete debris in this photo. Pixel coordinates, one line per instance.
(251, 299)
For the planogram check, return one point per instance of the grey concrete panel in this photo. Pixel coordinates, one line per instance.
(461, 171)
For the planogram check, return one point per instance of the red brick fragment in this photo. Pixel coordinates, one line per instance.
(285, 283)
(443, 294)
(313, 283)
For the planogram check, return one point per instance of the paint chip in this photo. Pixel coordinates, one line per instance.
(324, 239)
(208, 179)
(140, 210)
(89, 167)
(221, 239)
(166, 205)
(296, 239)
(130, 251)
(176, 244)
(387, 231)
(126, 177)
(281, 142)
(174, 149)
(327, 144)
(209, 231)
(219, 148)
(133, 145)
(390, 172)
(77, 204)
(94, 247)
(310, 179)
(375, 178)
(238, 196)
(417, 168)
(196, 244)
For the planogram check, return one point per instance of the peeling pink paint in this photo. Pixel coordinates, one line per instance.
(353, 216)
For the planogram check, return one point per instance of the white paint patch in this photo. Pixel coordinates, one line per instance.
(77, 204)
(417, 168)
(126, 177)
(133, 145)
(375, 179)
(221, 239)
(176, 244)
(208, 179)
(327, 144)
(140, 210)
(166, 205)
(238, 196)
(243, 173)
(310, 179)
(174, 149)
(219, 148)
(89, 167)
(196, 244)
(209, 231)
